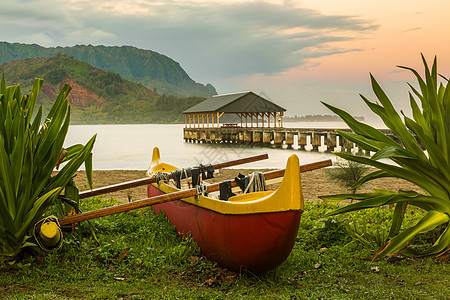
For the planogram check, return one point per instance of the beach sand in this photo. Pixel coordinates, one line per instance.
(314, 183)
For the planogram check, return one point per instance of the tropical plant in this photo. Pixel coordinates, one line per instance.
(29, 152)
(429, 129)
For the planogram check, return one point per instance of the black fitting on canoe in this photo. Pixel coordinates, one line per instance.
(225, 190)
(242, 181)
(176, 176)
(208, 169)
(195, 176)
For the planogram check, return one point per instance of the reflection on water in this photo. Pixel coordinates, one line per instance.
(130, 147)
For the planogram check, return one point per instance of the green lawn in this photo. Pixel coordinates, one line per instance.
(141, 257)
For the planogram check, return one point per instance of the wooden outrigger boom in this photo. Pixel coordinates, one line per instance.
(149, 180)
(167, 197)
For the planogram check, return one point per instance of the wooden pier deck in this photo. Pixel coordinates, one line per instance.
(317, 138)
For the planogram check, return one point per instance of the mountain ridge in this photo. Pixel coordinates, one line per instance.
(97, 96)
(152, 69)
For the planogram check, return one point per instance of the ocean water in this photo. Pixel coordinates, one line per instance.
(129, 147)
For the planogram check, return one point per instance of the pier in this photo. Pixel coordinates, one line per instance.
(258, 121)
(304, 138)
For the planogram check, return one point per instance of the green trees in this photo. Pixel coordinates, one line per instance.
(29, 152)
(429, 170)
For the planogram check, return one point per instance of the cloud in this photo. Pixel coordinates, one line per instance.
(411, 29)
(210, 39)
(54, 38)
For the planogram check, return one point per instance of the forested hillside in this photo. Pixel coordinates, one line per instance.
(151, 69)
(97, 97)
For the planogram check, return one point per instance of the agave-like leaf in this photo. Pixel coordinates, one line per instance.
(441, 243)
(397, 218)
(396, 122)
(371, 176)
(415, 164)
(367, 200)
(429, 186)
(418, 116)
(437, 157)
(6, 175)
(427, 223)
(88, 167)
(361, 128)
(363, 142)
(66, 173)
(37, 86)
(39, 206)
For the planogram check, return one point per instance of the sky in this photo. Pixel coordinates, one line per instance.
(296, 53)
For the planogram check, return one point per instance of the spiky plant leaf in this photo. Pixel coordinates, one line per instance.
(429, 128)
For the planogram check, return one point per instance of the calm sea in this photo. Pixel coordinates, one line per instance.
(129, 147)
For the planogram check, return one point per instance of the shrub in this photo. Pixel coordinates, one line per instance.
(346, 173)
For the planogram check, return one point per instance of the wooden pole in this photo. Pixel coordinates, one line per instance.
(173, 196)
(148, 180)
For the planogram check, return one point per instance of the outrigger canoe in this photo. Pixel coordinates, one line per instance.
(250, 232)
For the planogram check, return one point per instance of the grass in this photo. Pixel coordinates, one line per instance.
(141, 257)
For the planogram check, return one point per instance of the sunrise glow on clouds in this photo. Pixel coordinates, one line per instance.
(296, 52)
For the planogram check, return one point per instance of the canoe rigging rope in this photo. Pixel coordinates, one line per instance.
(202, 189)
(206, 172)
(187, 173)
(257, 183)
(161, 177)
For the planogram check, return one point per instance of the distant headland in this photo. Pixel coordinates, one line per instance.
(317, 118)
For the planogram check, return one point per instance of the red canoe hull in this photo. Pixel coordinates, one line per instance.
(252, 242)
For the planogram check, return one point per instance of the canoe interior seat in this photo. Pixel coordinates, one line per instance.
(250, 197)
